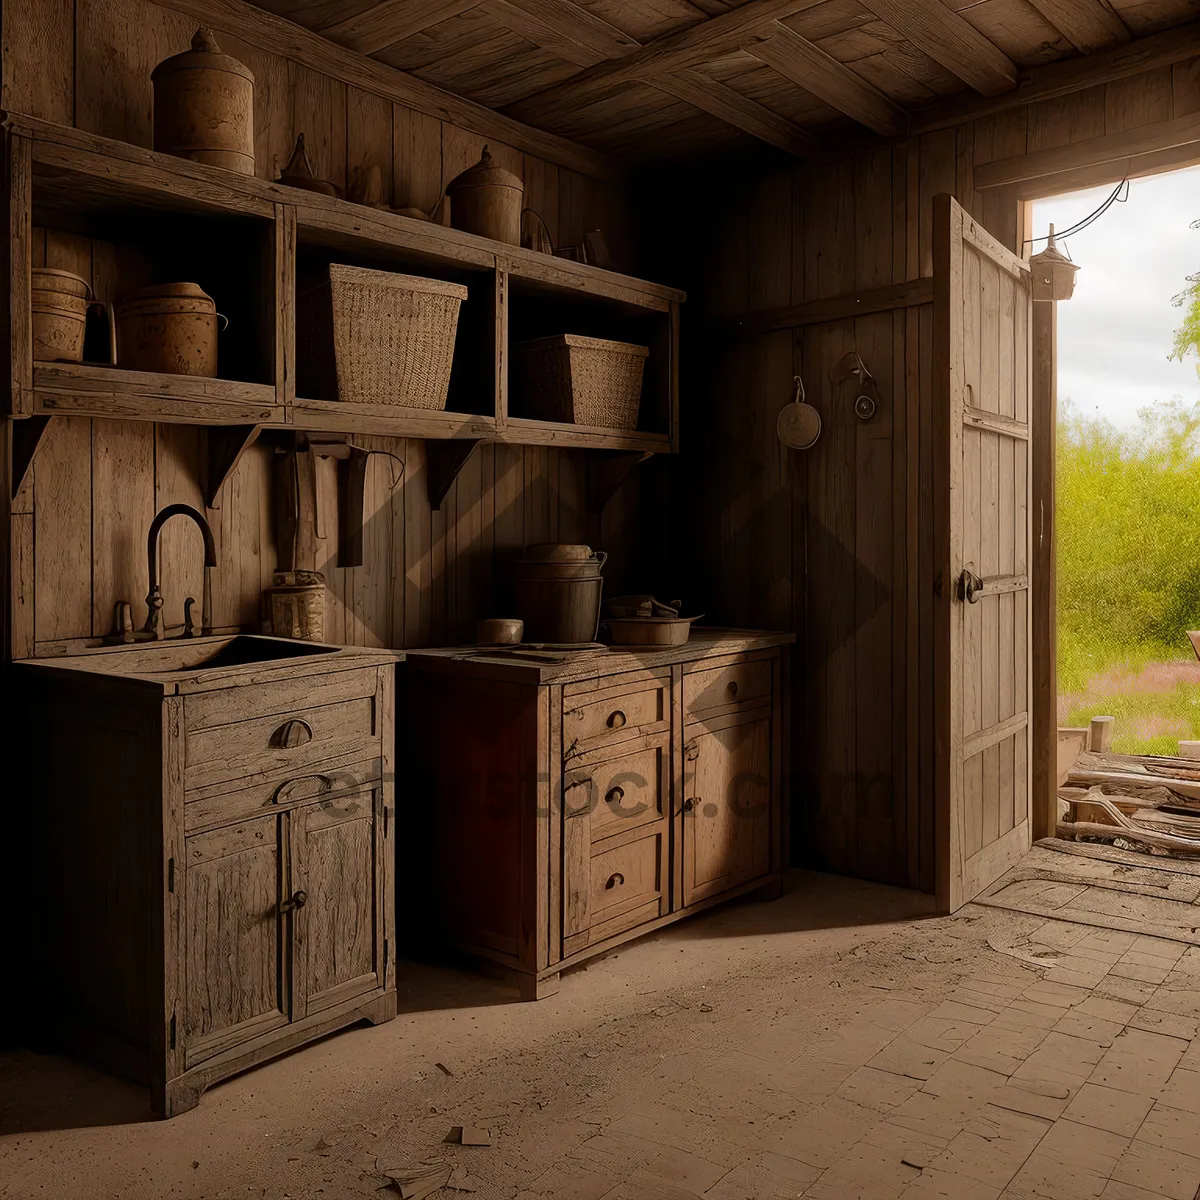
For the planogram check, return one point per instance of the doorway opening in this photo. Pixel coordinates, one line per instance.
(1127, 509)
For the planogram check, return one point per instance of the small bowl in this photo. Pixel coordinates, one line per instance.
(500, 631)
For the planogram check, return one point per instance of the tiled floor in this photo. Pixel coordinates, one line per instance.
(833, 1045)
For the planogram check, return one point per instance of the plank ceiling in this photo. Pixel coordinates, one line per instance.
(647, 79)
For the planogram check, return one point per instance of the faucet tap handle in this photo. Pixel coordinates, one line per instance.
(189, 626)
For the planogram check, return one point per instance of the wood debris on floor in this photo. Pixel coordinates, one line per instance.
(1150, 804)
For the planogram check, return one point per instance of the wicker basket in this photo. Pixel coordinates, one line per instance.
(584, 380)
(393, 336)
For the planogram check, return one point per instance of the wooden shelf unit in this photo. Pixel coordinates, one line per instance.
(91, 185)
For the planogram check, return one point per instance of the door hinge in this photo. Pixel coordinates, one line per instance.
(172, 1032)
(170, 874)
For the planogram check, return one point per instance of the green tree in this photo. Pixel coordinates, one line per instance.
(1187, 336)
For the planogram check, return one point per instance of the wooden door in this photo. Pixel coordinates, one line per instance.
(727, 803)
(339, 949)
(982, 381)
(235, 985)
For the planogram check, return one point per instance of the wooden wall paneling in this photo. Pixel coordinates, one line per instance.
(1065, 119)
(39, 41)
(178, 469)
(541, 193)
(122, 509)
(369, 138)
(418, 571)
(63, 531)
(1185, 88)
(938, 159)
(319, 112)
(340, 624)
(1141, 100)
(243, 531)
(1001, 136)
(508, 526)
(117, 44)
(273, 134)
(370, 611)
(416, 159)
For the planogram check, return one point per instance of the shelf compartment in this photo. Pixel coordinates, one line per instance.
(87, 390)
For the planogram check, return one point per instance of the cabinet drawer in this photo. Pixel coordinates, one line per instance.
(719, 687)
(281, 743)
(233, 705)
(614, 713)
(207, 808)
(619, 794)
(616, 889)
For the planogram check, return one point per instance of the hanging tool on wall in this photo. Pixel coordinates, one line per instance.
(866, 396)
(799, 424)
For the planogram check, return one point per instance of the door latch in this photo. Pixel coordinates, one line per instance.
(970, 586)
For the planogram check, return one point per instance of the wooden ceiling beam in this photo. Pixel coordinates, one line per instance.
(949, 39)
(565, 29)
(1063, 78)
(722, 102)
(392, 21)
(820, 74)
(289, 40)
(1089, 25)
(671, 52)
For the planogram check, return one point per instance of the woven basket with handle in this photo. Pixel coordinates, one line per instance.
(393, 336)
(584, 380)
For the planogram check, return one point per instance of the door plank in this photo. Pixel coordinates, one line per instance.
(982, 523)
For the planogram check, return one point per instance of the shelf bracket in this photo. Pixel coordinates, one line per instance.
(26, 438)
(226, 445)
(352, 491)
(606, 474)
(443, 462)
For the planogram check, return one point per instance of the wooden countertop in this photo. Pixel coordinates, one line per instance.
(163, 666)
(566, 666)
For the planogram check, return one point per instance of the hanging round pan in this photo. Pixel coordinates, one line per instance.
(799, 424)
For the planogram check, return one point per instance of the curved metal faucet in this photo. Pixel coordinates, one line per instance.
(154, 600)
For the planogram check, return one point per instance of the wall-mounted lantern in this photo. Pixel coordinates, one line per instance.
(1053, 273)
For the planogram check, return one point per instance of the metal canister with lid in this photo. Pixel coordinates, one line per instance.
(486, 199)
(204, 106)
(170, 329)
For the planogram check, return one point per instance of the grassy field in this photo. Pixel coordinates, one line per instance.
(1129, 576)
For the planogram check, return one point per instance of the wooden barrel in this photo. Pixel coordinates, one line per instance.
(486, 199)
(59, 304)
(170, 329)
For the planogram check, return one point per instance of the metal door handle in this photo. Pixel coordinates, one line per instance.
(970, 586)
(299, 900)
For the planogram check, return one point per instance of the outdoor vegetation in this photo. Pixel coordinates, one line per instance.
(1129, 574)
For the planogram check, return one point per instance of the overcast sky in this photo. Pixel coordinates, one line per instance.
(1116, 331)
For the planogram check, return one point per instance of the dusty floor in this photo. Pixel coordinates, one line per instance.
(835, 1044)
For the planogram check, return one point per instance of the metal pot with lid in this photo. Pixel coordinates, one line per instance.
(204, 106)
(169, 329)
(558, 589)
(486, 199)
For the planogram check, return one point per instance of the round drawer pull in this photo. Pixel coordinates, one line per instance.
(615, 795)
(299, 900)
(733, 689)
(616, 720)
(292, 734)
(616, 879)
(690, 804)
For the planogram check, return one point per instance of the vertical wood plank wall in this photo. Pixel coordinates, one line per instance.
(83, 513)
(836, 542)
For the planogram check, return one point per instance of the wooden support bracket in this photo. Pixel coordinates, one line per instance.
(26, 438)
(226, 445)
(607, 472)
(352, 490)
(443, 462)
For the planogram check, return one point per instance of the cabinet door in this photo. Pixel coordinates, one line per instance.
(340, 873)
(235, 978)
(728, 792)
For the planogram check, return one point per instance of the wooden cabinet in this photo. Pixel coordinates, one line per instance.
(573, 802)
(218, 844)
